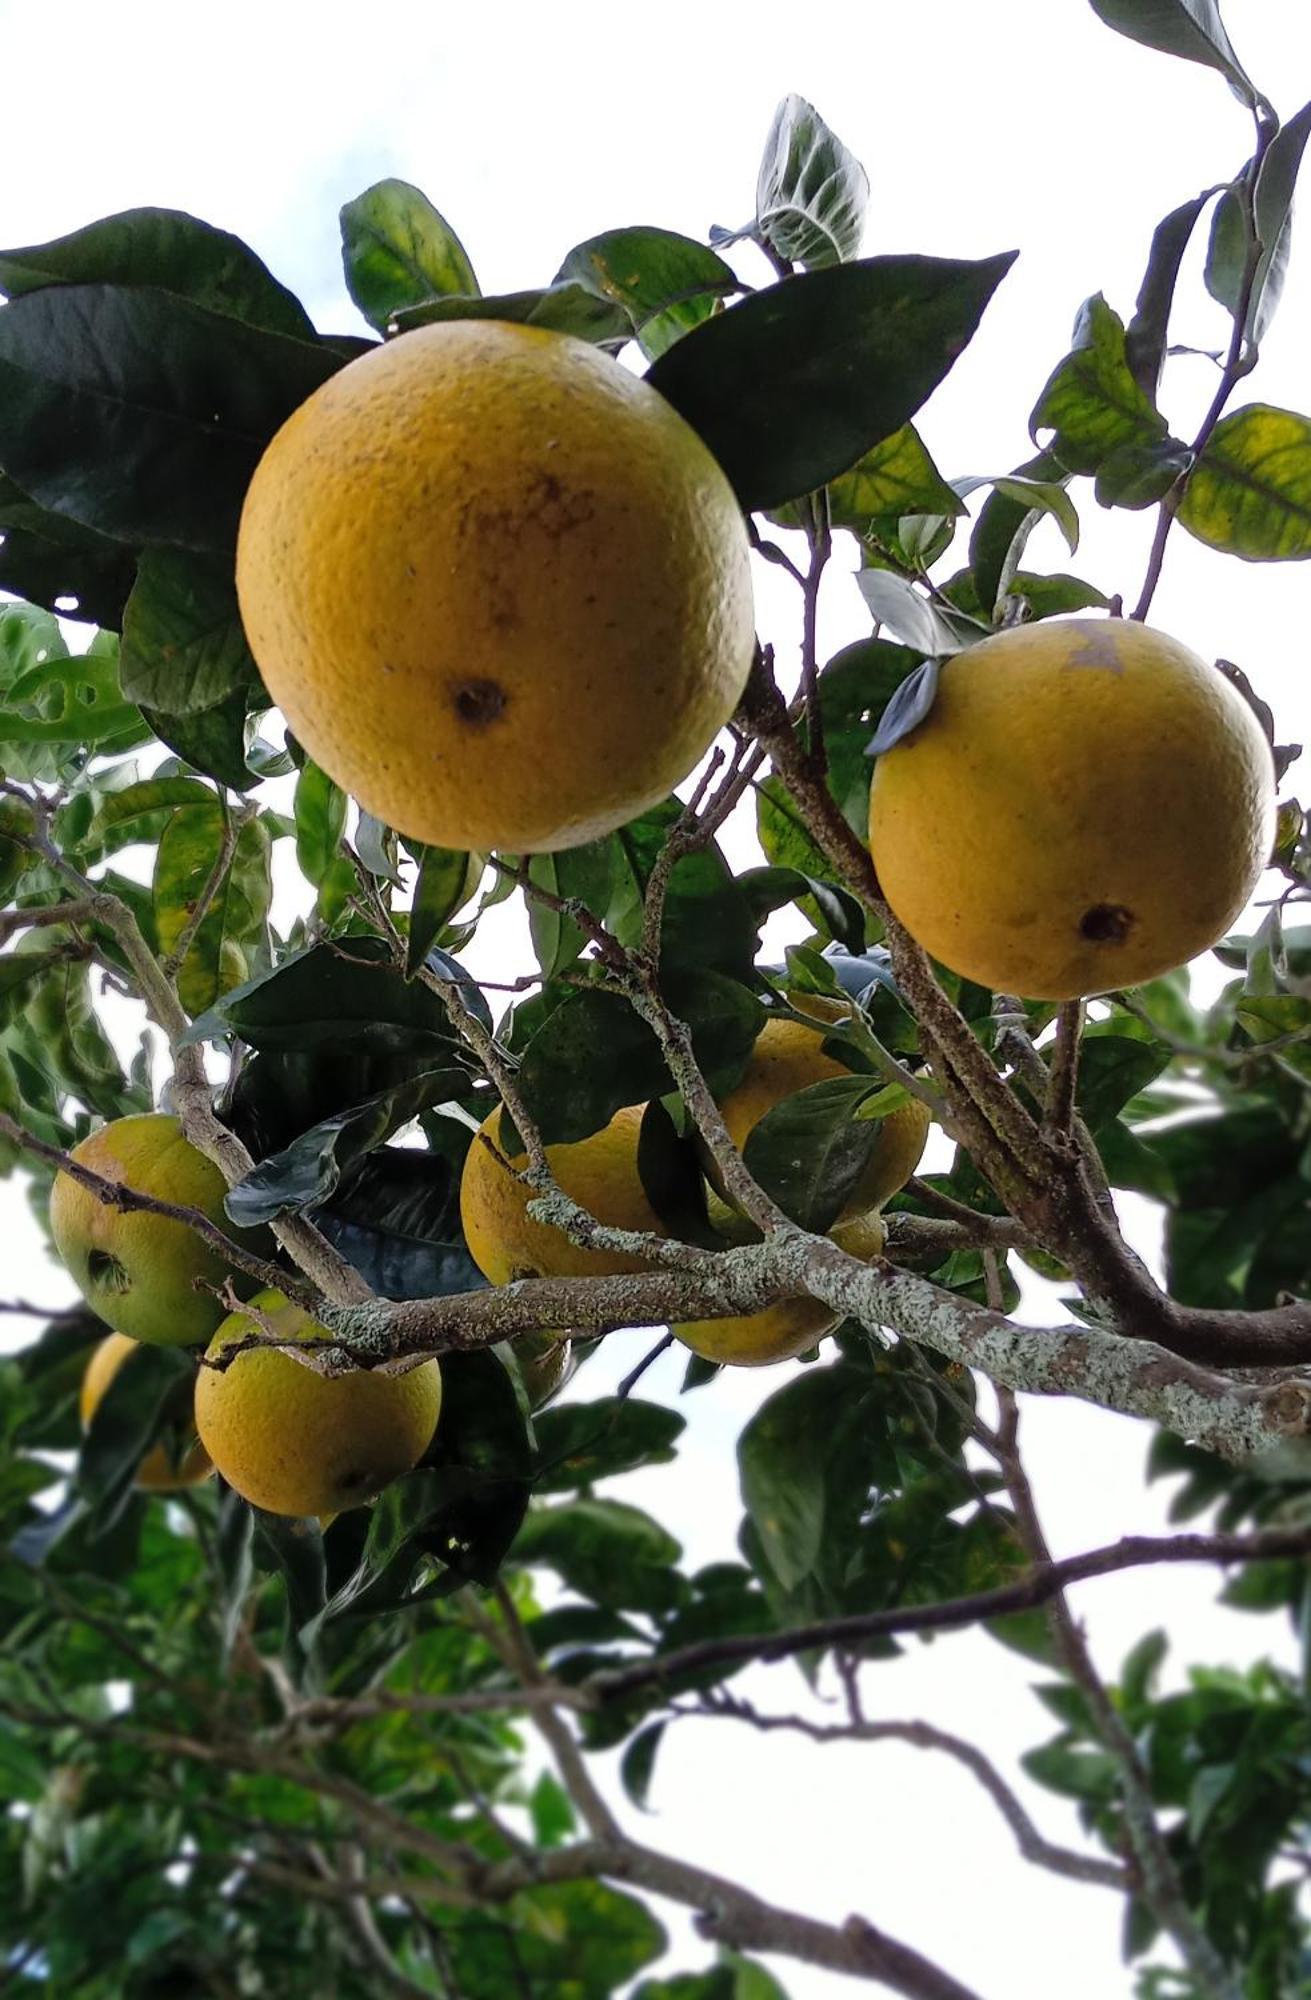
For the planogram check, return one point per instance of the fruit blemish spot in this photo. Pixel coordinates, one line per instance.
(479, 702)
(1106, 923)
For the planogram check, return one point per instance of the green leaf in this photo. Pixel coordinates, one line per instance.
(213, 740)
(396, 1218)
(184, 648)
(809, 1150)
(897, 477)
(138, 813)
(308, 1171)
(552, 1814)
(757, 380)
(918, 621)
(579, 1443)
(1250, 492)
(811, 193)
(189, 849)
(326, 995)
(1192, 29)
(650, 274)
(783, 833)
(707, 925)
(607, 1551)
(910, 704)
(637, 1765)
(1112, 1071)
(1092, 402)
(579, 1941)
(140, 414)
(398, 251)
(577, 874)
(55, 705)
(768, 889)
(446, 880)
(1002, 531)
(786, 1455)
(1139, 474)
(565, 308)
(1231, 231)
(1040, 496)
(1148, 331)
(320, 816)
(129, 1418)
(168, 249)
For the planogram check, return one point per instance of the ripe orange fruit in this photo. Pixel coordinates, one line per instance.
(778, 1332)
(162, 1470)
(1087, 805)
(296, 1442)
(497, 585)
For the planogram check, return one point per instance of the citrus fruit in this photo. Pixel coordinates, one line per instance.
(788, 1057)
(792, 1326)
(1087, 805)
(498, 587)
(296, 1442)
(164, 1469)
(136, 1270)
(599, 1173)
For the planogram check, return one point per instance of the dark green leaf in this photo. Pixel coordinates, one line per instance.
(213, 740)
(184, 648)
(1141, 473)
(324, 995)
(568, 308)
(579, 1443)
(1112, 1070)
(294, 1551)
(1231, 232)
(787, 1456)
(309, 1170)
(1250, 491)
(232, 1553)
(1148, 330)
(809, 1151)
(768, 889)
(140, 414)
(607, 1551)
(593, 1054)
(707, 922)
(1192, 29)
(396, 1218)
(811, 193)
(1002, 531)
(637, 1766)
(758, 380)
(129, 1418)
(398, 251)
(170, 250)
(59, 564)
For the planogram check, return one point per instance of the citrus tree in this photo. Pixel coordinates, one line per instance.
(306, 1703)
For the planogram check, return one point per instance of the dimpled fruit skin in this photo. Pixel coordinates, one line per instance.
(296, 1442)
(498, 587)
(136, 1271)
(1087, 805)
(600, 1173)
(781, 1332)
(158, 1472)
(789, 1057)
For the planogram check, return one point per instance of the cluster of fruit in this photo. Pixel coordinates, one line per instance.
(501, 591)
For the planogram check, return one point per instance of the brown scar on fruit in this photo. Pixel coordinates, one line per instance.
(479, 702)
(1106, 923)
(1098, 648)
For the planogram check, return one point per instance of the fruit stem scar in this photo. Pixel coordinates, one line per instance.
(479, 702)
(1106, 923)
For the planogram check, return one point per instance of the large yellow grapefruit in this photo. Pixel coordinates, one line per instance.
(789, 1057)
(599, 1173)
(136, 1270)
(296, 1442)
(497, 585)
(1088, 804)
(779, 1332)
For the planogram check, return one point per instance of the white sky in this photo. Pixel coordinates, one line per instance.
(985, 125)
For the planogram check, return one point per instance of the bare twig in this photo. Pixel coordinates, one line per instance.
(1063, 1070)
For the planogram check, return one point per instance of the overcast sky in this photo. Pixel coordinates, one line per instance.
(986, 125)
